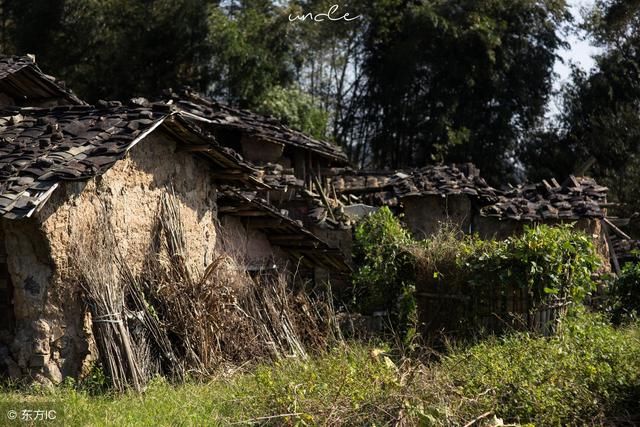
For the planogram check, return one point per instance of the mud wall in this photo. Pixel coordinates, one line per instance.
(53, 336)
(425, 215)
(249, 246)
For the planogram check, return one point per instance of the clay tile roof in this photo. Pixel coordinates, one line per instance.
(576, 198)
(443, 180)
(22, 80)
(387, 187)
(277, 177)
(282, 231)
(41, 147)
(220, 115)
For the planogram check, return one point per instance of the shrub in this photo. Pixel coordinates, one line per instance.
(384, 263)
(546, 260)
(467, 281)
(625, 294)
(585, 374)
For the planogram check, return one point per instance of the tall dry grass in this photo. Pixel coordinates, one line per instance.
(177, 322)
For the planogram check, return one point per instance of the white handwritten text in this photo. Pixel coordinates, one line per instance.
(330, 15)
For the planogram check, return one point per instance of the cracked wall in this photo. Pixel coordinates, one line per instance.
(52, 336)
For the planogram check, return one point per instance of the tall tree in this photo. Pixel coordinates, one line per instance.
(600, 124)
(252, 51)
(458, 80)
(330, 68)
(115, 48)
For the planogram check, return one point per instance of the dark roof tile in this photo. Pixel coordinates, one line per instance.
(22, 80)
(78, 142)
(222, 116)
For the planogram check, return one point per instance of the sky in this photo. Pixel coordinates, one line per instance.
(580, 51)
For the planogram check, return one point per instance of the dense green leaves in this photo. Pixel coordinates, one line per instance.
(586, 373)
(625, 294)
(295, 108)
(459, 81)
(380, 251)
(545, 260)
(550, 263)
(599, 125)
(251, 50)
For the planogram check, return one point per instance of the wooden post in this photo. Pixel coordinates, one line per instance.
(612, 251)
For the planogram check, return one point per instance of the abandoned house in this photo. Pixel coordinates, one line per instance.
(279, 197)
(294, 165)
(262, 140)
(64, 167)
(457, 195)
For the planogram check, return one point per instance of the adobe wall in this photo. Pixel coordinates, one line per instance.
(29, 265)
(425, 215)
(7, 319)
(53, 328)
(250, 246)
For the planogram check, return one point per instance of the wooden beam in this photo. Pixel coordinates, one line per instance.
(323, 196)
(616, 229)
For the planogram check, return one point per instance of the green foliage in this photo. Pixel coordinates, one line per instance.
(546, 260)
(599, 124)
(625, 294)
(586, 375)
(455, 81)
(296, 109)
(114, 49)
(549, 263)
(543, 259)
(95, 382)
(252, 51)
(384, 264)
(586, 372)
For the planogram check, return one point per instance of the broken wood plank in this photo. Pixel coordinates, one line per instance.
(616, 229)
(323, 196)
(612, 251)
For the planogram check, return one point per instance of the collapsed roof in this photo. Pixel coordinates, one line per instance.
(41, 147)
(218, 115)
(577, 198)
(26, 84)
(387, 188)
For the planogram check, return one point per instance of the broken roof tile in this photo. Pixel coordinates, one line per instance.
(23, 81)
(91, 146)
(219, 115)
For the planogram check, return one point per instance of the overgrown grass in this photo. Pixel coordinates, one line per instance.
(588, 374)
